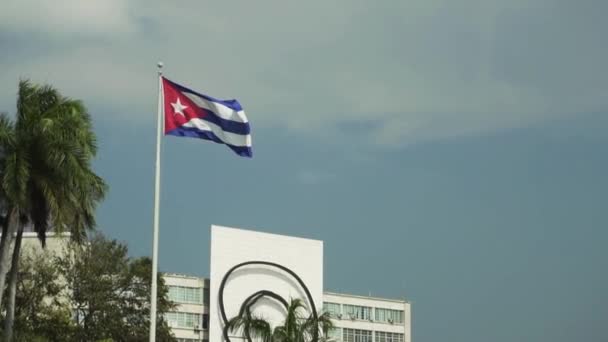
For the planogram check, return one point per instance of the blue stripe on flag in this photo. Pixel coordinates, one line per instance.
(243, 151)
(242, 128)
(232, 104)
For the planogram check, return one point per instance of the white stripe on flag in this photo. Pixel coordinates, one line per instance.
(221, 110)
(227, 137)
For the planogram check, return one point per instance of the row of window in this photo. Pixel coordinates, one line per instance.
(363, 312)
(182, 294)
(358, 335)
(357, 312)
(389, 315)
(187, 320)
(382, 336)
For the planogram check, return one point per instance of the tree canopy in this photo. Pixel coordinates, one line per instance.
(46, 178)
(91, 292)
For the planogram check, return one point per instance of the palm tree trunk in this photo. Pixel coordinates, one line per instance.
(9, 320)
(5, 247)
(12, 288)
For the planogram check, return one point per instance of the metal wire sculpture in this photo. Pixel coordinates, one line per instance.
(252, 299)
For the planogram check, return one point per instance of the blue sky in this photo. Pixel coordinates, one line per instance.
(451, 153)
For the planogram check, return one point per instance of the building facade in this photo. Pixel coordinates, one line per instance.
(368, 319)
(56, 244)
(356, 318)
(247, 264)
(190, 319)
(259, 271)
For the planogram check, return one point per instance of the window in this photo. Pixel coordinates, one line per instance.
(182, 294)
(334, 334)
(183, 320)
(205, 321)
(389, 316)
(206, 295)
(357, 312)
(356, 335)
(332, 308)
(388, 337)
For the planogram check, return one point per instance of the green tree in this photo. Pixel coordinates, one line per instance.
(110, 293)
(92, 292)
(42, 310)
(46, 178)
(296, 327)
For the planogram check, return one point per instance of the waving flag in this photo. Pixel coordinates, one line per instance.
(191, 114)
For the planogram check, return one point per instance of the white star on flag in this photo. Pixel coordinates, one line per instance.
(178, 108)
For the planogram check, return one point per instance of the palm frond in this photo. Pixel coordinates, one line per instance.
(319, 326)
(7, 133)
(251, 327)
(45, 161)
(16, 176)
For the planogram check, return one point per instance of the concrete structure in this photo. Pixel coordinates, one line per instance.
(231, 247)
(357, 318)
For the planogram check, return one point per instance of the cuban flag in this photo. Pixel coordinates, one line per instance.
(192, 114)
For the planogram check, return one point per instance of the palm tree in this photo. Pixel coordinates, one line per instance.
(295, 328)
(46, 178)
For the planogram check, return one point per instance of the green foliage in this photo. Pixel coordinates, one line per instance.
(46, 179)
(296, 327)
(39, 309)
(92, 292)
(46, 174)
(110, 292)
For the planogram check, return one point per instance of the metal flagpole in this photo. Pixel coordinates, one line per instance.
(159, 125)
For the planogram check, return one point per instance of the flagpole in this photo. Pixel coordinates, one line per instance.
(156, 207)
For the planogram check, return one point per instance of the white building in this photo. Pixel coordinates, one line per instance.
(190, 320)
(55, 243)
(356, 318)
(247, 266)
(368, 319)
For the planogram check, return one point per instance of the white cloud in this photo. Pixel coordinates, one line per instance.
(410, 71)
(100, 17)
